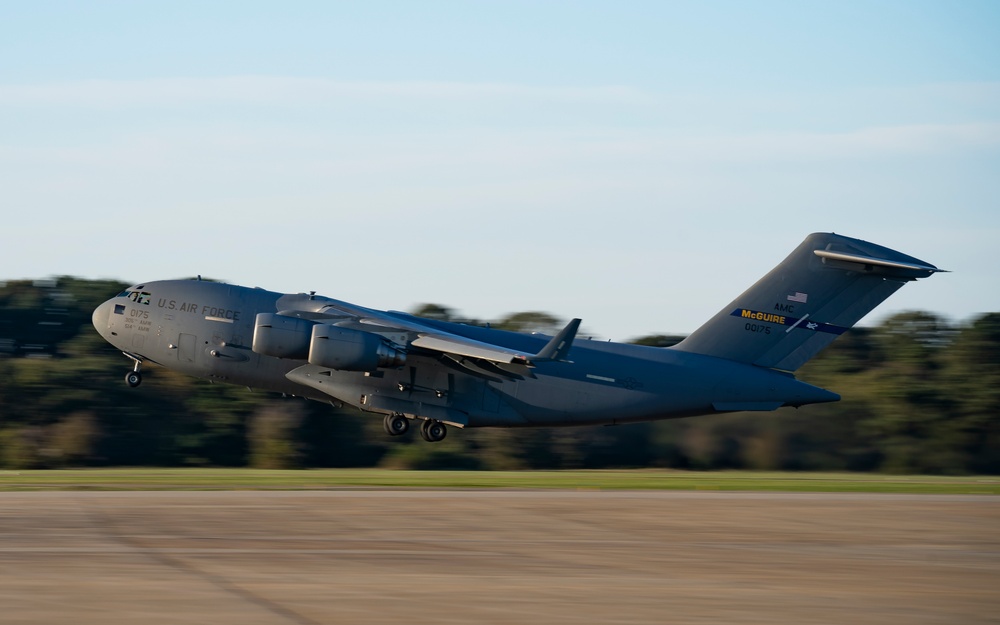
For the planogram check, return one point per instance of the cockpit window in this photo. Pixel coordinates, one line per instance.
(139, 297)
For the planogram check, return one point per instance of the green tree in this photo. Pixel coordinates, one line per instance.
(435, 311)
(972, 375)
(273, 444)
(531, 321)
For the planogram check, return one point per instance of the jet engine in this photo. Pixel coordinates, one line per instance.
(281, 336)
(351, 350)
(322, 344)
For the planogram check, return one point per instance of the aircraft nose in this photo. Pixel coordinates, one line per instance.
(100, 318)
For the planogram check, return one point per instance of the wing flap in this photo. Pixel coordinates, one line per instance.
(453, 344)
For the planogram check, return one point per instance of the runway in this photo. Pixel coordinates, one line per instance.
(473, 556)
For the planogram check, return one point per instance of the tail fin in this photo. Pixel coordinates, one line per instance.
(823, 288)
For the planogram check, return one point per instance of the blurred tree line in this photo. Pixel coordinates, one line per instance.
(919, 395)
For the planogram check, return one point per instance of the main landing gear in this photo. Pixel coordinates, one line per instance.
(431, 431)
(134, 377)
(395, 424)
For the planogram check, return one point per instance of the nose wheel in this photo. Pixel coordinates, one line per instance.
(134, 377)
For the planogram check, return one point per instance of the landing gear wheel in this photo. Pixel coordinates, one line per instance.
(395, 424)
(433, 431)
(133, 378)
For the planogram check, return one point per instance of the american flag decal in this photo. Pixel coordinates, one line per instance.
(801, 298)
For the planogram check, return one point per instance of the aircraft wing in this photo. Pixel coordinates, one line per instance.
(461, 346)
(426, 337)
(420, 335)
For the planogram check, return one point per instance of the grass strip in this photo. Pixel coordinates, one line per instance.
(259, 479)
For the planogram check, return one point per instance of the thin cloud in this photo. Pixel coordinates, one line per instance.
(719, 107)
(285, 91)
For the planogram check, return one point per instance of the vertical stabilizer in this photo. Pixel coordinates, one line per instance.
(823, 288)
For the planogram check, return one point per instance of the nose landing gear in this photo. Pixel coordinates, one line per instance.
(134, 377)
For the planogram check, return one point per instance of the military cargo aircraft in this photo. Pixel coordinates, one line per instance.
(407, 368)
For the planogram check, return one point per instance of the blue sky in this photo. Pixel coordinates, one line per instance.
(636, 164)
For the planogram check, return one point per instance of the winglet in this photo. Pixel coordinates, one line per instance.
(558, 347)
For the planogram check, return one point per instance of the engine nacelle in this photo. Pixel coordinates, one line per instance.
(281, 336)
(351, 350)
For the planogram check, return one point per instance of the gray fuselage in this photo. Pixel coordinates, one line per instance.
(206, 329)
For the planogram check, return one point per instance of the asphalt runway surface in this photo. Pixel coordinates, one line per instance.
(474, 556)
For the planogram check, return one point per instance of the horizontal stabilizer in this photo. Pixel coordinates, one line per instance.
(891, 267)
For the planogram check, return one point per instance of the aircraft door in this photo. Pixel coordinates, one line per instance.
(186, 347)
